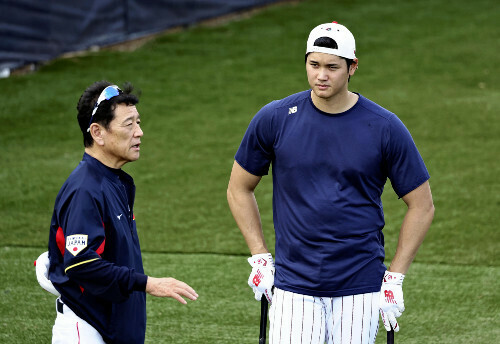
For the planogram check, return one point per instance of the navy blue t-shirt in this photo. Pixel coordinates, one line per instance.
(329, 171)
(95, 257)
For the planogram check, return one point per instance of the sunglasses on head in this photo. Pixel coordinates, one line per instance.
(106, 94)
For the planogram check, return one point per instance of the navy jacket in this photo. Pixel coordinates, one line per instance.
(95, 257)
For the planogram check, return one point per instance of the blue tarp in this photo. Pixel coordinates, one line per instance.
(32, 31)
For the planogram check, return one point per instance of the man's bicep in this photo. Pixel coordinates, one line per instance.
(83, 227)
(420, 196)
(242, 179)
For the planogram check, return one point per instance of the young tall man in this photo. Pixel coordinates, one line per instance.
(332, 151)
(94, 260)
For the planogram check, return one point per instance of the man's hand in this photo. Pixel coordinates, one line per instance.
(392, 304)
(170, 287)
(42, 265)
(261, 278)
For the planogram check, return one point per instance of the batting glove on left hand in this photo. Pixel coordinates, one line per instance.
(42, 265)
(261, 279)
(392, 303)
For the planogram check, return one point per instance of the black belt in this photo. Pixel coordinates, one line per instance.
(59, 306)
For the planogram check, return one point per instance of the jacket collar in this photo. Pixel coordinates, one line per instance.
(111, 173)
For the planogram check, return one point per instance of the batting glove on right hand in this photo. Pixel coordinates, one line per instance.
(42, 265)
(392, 303)
(261, 279)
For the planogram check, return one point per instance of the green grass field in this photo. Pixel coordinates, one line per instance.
(432, 62)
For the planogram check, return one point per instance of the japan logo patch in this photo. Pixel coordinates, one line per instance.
(76, 243)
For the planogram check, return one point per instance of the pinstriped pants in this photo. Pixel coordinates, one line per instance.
(303, 319)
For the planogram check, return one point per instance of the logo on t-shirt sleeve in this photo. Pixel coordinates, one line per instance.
(76, 243)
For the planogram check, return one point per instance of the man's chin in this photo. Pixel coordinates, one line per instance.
(134, 157)
(322, 94)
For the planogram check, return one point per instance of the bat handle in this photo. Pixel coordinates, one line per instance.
(263, 320)
(390, 336)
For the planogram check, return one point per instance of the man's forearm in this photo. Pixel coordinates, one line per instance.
(413, 230)
(245, 211)
(107, 280)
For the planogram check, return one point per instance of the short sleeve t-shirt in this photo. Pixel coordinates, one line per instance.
(329, 171)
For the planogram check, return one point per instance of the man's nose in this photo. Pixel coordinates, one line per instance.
(139, 132)
(322, 75)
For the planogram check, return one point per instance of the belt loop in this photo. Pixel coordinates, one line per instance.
(59, 306)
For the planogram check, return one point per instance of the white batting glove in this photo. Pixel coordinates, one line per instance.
(392, 303)
(261, 280)
(42, 265)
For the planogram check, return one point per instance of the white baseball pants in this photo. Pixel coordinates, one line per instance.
(303, 319)
(69, 328)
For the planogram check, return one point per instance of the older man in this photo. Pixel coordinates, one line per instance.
(95, 258)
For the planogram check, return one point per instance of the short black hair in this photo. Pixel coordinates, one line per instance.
(327, 42)
(105, 112)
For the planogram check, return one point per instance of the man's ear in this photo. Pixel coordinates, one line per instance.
(98, 133)
(354, 65)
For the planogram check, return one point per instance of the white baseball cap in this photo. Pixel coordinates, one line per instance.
(346, 46)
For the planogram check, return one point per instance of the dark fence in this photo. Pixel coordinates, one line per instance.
(38, 30)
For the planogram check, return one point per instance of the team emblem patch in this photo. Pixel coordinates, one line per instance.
(76, 243)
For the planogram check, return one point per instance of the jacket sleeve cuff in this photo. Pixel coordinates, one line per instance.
(140, 282)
